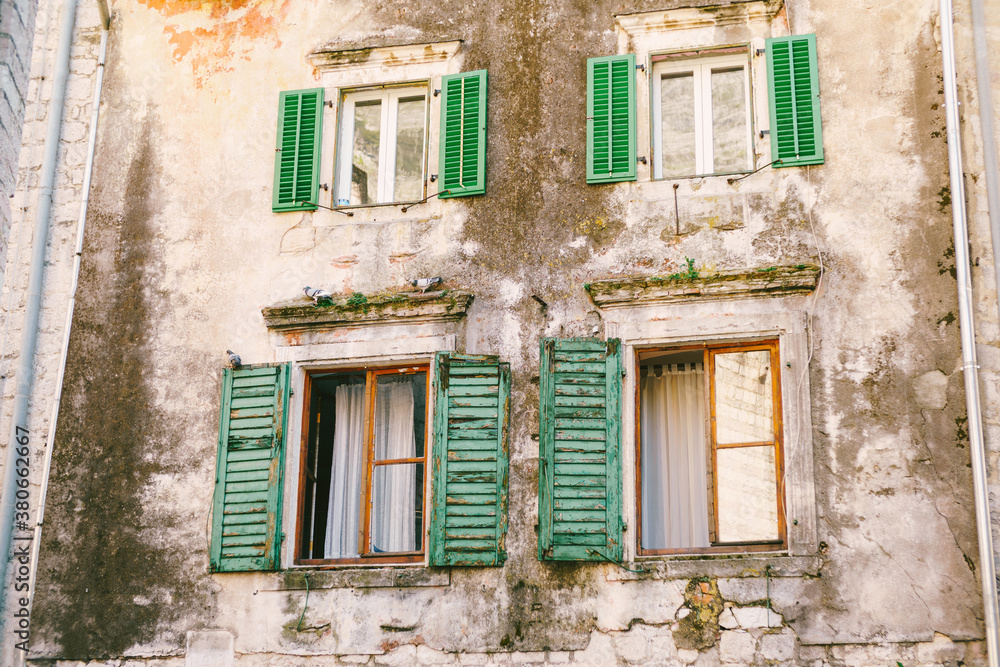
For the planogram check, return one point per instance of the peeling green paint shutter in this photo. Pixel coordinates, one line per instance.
(579, 479)
(296, 160)
(463, 134)
(469, 520)
(793, 86)
(611, 119)
(246, 513)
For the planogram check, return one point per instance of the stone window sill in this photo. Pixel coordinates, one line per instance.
(379, 577)
(717, 566)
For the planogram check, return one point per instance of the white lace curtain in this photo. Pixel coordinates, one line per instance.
(673, 457)
(345, 481)
(394, 486)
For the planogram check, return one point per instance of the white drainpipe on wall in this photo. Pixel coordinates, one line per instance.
(77, 256)
(29, 328)
(987, 570)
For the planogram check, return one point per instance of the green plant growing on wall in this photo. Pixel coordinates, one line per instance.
(358, 300)
(689, 273)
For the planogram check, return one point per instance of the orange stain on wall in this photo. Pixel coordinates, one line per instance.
(238, 25)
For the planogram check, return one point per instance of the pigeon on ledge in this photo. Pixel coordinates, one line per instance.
(319, 296)
(424, 284)
(234, 360)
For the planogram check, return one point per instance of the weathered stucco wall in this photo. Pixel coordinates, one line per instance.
(182, 252)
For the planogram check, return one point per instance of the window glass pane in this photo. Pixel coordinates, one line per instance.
(364, 172)
(673, 456)
(409, 150)
(400, 409)
(743, 399)
(397, 508)
(677, 143)
(729, 120)
(344, 499)
(748, 509)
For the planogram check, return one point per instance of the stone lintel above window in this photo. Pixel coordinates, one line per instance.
(699, 16)
(333, 57)
(770, 281)
(401, 308)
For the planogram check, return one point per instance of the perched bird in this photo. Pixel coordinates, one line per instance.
(319, 296)
(234, 360)
(424, 284)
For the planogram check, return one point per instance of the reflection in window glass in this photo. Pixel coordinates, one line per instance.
(400, 406)
(409, 150)
(677, 123)
(744, 412)
(397, 502)
(747, 489)
(729, 120)
(364, 174)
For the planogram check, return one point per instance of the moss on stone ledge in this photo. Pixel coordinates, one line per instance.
(763, 281)
(359, 308)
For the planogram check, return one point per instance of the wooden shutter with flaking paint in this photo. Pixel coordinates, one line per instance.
(793, 86)
(579, 460)
(463, 134)
(246, 514)
(469, 520)
(611, 119)
(297, 156)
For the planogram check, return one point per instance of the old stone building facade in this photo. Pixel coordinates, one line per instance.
(686, 394)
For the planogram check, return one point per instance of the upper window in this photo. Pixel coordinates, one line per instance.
(709, 449)
(364, 467)
(382, 146)
(701, 115)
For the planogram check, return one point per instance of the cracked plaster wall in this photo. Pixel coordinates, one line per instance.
(182, 251)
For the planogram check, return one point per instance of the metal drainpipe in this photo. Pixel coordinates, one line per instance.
(32, 309)
(81, 224)
(967, 331)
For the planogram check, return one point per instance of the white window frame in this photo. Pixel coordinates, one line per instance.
(389, 98)
(701, 68)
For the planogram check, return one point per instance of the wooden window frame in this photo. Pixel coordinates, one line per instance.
(389, 96)
(364, 528)
(709, 351)
(700, 66)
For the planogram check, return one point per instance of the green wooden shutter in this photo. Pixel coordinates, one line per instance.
(793, 86)
(246, 514)
(463, 134)
(296, 161)
(611, 119)
(579, 479)
(469, 520)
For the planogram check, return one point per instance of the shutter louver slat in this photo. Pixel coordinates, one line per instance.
(246, 515)
(463, 135)
(793, 83)
(296, 165)
(469, 520)
(580, 477)
(611, 119)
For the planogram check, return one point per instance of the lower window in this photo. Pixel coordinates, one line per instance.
(363, 466)
(709, 449)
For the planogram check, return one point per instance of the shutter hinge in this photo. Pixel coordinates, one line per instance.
(437, 91)
(642, 67)
(760, 52)
(763, 132)
(434, 177)
(324, 186)
(328, 103)
(641, 159)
